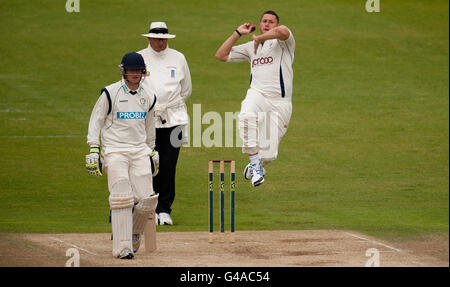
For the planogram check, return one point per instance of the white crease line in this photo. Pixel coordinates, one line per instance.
(375, 242)
(73, 245)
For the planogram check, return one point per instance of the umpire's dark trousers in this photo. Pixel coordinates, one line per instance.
(164, 181)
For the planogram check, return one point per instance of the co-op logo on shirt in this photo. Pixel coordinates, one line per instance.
(131, 115)
(262, 61)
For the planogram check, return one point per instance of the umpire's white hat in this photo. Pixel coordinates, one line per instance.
(158, 30)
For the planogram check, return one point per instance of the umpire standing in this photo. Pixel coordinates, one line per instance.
(170, 78)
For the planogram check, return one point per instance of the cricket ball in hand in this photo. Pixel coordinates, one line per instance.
(252, 28)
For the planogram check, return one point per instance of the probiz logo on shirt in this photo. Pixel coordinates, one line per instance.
(131, 115)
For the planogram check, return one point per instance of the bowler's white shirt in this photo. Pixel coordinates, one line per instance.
(123, 120)
(170, 78)
(271, 66)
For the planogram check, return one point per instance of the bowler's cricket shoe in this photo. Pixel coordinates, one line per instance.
(136, 242)
(257, 174)
(248, 171)
(126, 253)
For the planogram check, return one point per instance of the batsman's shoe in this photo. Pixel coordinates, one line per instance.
(126, 253)
(248, 171)
(257, 174)
(136, 242)
(164, 219)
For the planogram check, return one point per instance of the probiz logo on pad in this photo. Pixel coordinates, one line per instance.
(131, 115)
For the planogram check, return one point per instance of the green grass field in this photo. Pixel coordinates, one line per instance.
(367, 148)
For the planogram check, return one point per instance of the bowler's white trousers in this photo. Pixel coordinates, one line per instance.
(263, 121)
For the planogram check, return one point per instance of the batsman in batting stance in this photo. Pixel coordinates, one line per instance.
(122, 131)
(266, 109)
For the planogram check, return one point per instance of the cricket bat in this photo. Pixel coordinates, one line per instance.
(150, 234)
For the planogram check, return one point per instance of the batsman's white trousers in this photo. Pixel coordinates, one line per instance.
(263, 122)
(132, 165)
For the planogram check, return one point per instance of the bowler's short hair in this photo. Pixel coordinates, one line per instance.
(271, 12)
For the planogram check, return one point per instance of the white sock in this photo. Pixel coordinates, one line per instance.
(254, 159)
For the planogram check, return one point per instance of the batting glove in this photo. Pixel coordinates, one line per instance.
(154, 161)
(94, 162)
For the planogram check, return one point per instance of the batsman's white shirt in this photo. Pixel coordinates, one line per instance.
(169, 76)
(123, 120)
(271, 66)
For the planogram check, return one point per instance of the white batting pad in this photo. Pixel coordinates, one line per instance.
(142, 211)
(121, 220)
(121, 202)
(121, 195)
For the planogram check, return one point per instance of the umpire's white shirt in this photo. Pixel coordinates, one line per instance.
(124, 119)
(271, 66)
(169, 76)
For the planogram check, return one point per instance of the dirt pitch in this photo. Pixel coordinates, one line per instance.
(252, 248)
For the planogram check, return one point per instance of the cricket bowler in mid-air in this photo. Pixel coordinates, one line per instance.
(268, 100)
(123, 118)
